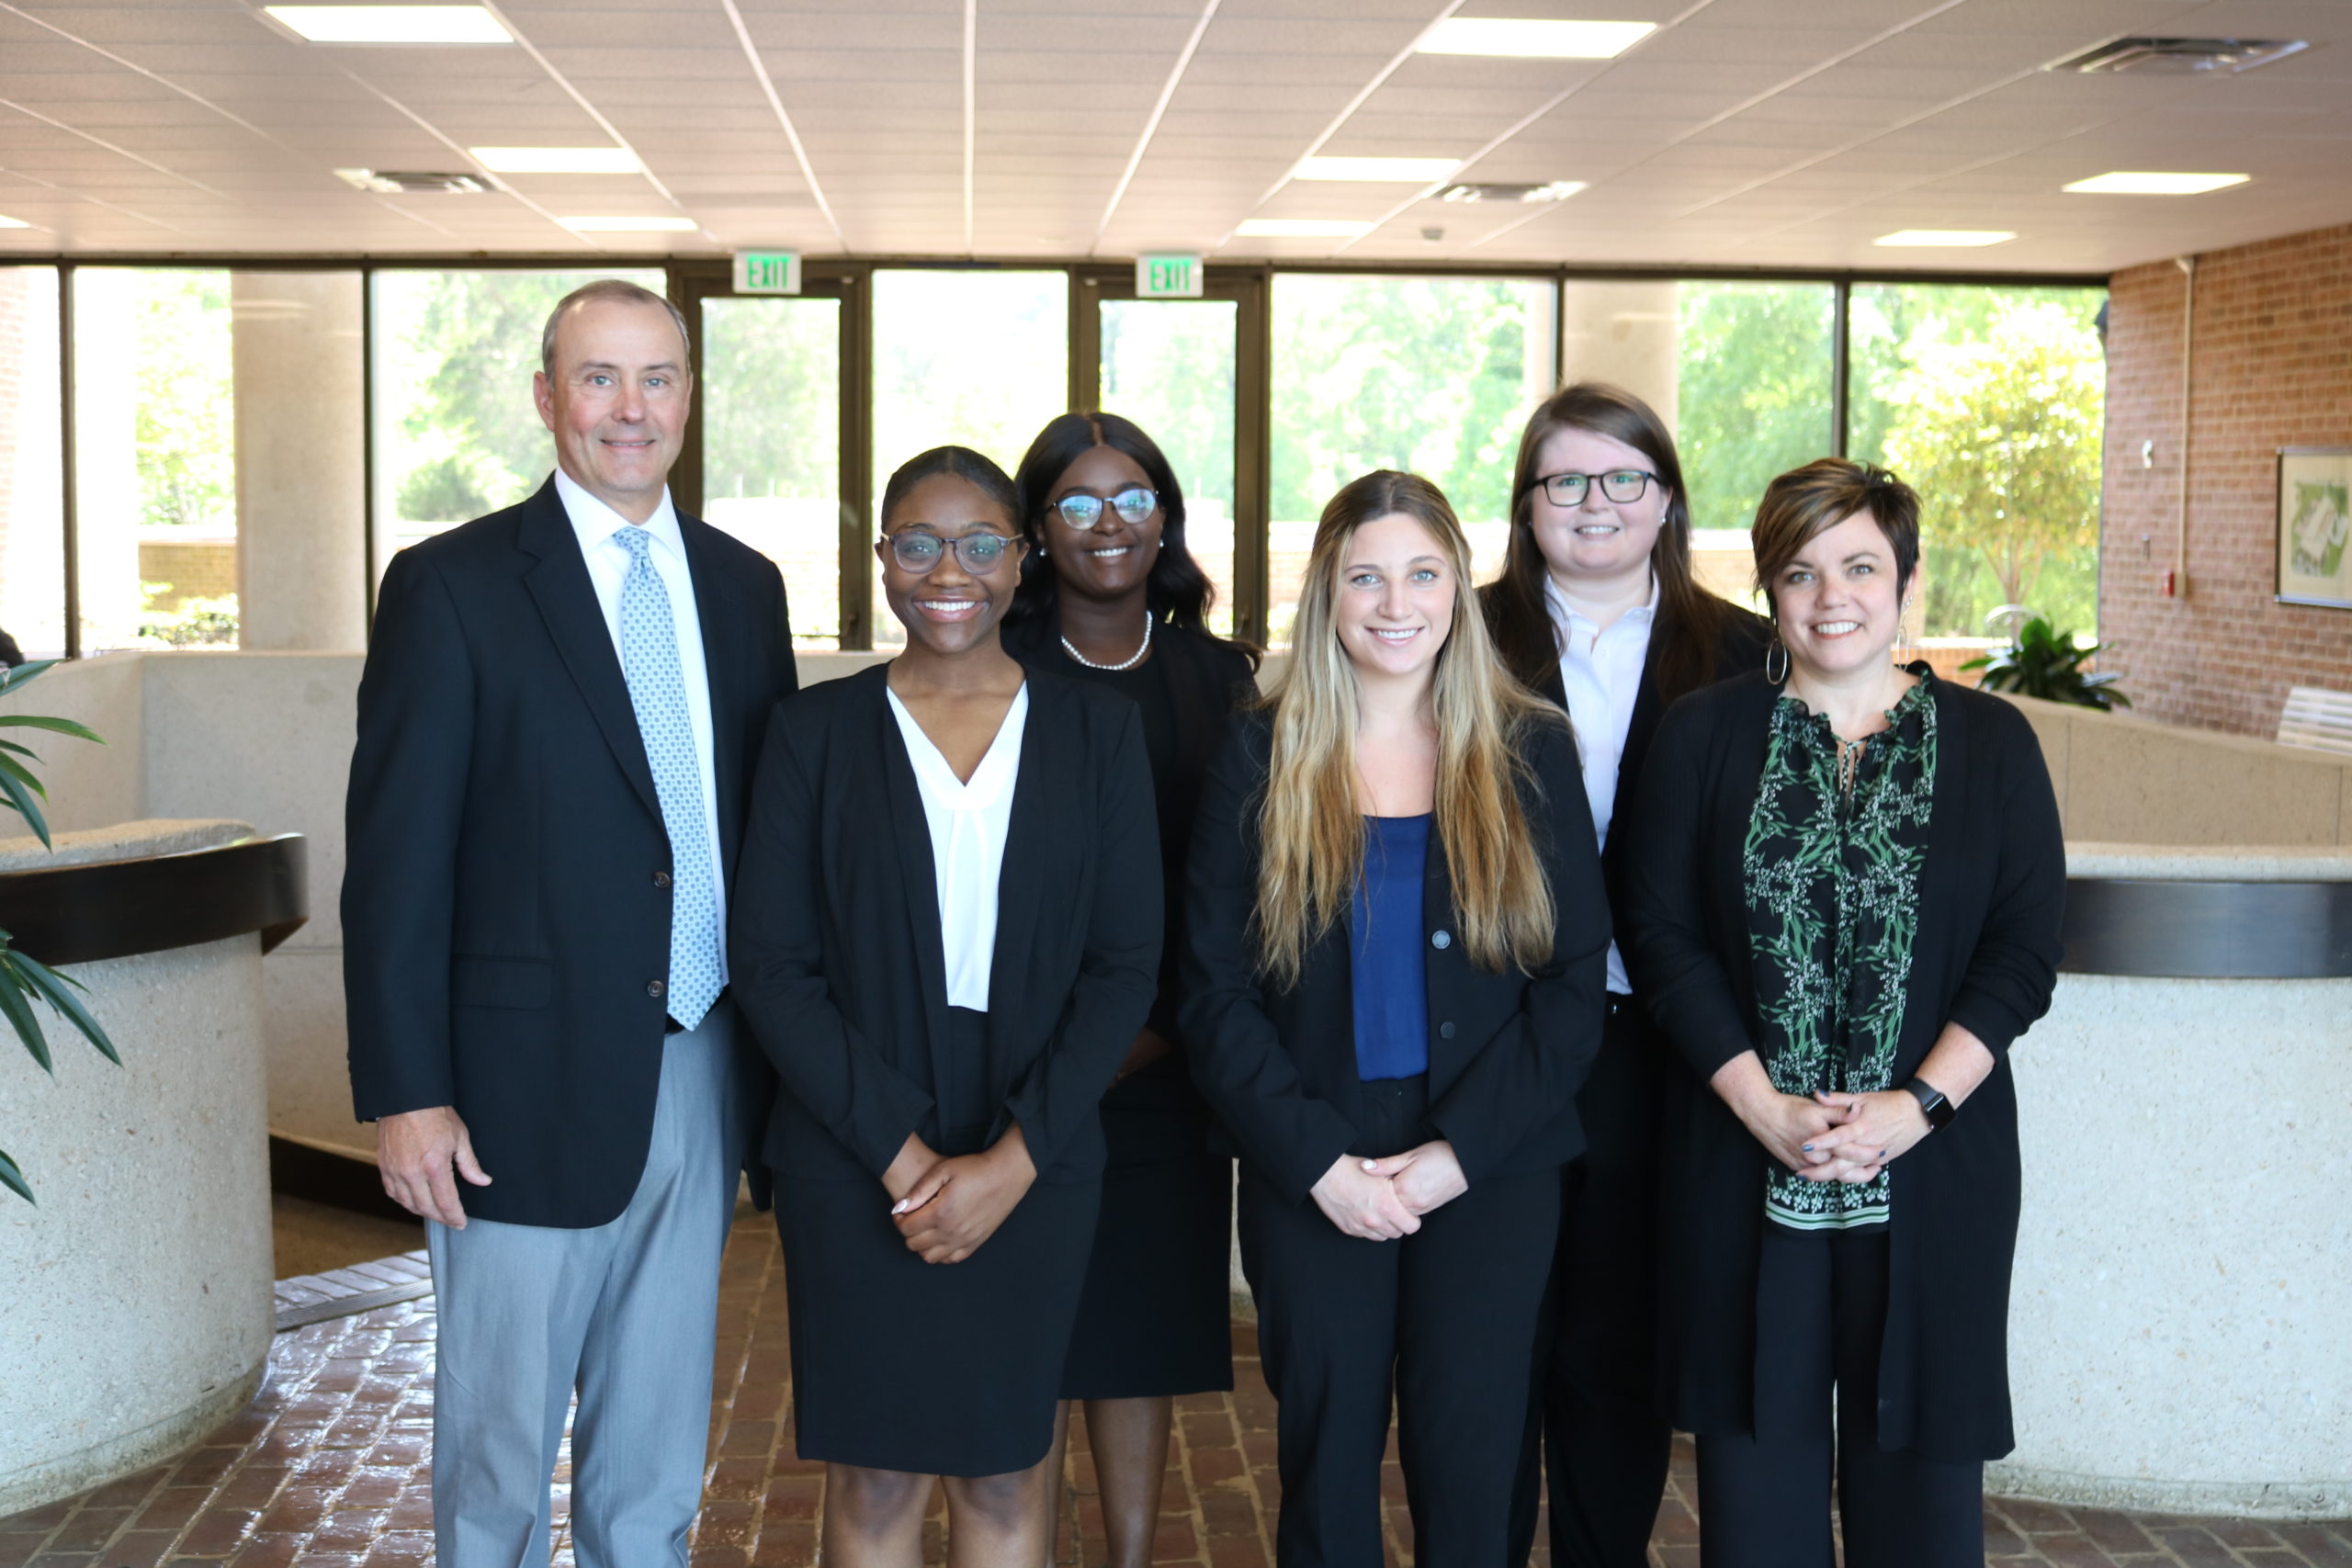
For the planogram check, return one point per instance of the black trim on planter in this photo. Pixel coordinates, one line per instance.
(79, 914)
(2224, 931)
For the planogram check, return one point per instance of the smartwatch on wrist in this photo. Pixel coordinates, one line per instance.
(1931, 1100)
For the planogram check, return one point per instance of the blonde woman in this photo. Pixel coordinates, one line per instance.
(1393, 988)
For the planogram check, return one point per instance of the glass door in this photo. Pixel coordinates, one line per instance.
(769, 447)
(1183, 370)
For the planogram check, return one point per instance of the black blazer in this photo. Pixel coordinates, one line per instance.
(1507, 1051)
(1985, 957)
(1740, 641)
(838, 958)
(506, 905)
(1205, 678)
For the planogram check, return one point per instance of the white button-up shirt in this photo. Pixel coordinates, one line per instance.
(608, 563)
(1601, 671)
(968, 822)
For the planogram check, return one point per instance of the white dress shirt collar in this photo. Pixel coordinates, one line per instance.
(594, 522)
(1565, 619)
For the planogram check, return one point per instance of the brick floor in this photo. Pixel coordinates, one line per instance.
(327, 1469)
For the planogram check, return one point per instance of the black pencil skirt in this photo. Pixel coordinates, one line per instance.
(931, 1368)
(1156, 1317)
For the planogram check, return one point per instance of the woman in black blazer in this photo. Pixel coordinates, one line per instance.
(946, 929)
(1392, 989)
(1111, 597)
(1598, 609)
(1846, 889)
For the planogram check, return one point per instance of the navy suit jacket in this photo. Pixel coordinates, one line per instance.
(506, 904)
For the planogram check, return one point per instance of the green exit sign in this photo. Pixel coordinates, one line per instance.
(767, 272)
(1168, 277)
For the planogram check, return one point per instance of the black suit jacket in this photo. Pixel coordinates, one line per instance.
(839, 962)
(1991, 898)
(506, 903)
(1508, 1051)
(1741, 642)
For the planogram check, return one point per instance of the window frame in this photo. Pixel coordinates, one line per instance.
(849, 278)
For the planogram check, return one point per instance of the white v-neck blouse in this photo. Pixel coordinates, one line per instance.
(968, 823)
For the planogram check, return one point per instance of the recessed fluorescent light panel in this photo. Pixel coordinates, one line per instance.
(1939, 238)
(1301, 229)
(1393, 171)
(392, 24)
(629, 225)
(418, 182)
(556, 160)
(2148, 182)
(1559, 190)
(1530, 37)
(6, 222)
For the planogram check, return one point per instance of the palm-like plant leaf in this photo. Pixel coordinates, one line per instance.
(18, 1010)
(26, 803)
(58, 990)
(56, 726)
(13, 1178)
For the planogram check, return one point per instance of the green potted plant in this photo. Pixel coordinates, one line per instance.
(2041, 661)
(23, 980)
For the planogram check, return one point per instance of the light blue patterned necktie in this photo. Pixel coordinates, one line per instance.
(657, 689)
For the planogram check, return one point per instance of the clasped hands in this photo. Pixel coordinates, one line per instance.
(946, 1207)
(1381, 1200)
(1838, 1137)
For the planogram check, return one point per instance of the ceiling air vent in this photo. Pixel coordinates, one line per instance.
(409, 182)
(1556, 190)
(2182, 56)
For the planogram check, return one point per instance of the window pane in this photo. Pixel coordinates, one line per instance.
(977, 359)
(32, 499)
(456, 432)
(1433, 375)
(155, 458)
(770, 445)
(1991, 402)
(1167, 365)
(1753, 399)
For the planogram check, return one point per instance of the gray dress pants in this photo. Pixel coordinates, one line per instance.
(624, 1313)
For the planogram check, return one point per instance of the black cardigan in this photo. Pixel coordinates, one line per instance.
(838, 960)
(1985, 957)
(1508, 1051)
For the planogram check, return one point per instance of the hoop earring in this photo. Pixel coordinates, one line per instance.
(1781, 649)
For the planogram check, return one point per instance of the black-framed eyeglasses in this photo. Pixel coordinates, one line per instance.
(918, 551)
(1619, 485)
(1132, 505)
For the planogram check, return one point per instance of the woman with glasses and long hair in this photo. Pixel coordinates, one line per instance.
(1598, 609)
(1397, 934)
(1110, 596)
(947, 935)
(1846, 887)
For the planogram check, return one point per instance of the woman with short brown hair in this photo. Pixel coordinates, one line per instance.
(1846, 888)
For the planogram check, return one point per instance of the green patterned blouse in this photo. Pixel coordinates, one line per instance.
(1832, 882)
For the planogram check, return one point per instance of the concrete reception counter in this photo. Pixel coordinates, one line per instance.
(2180, 1331)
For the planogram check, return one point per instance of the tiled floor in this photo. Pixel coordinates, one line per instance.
(327, 1468)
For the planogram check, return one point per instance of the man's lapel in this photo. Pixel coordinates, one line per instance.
(559, 584)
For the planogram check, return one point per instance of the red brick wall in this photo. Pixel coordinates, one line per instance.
(2272, 368)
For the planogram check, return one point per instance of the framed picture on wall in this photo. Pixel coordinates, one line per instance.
(2315, 525)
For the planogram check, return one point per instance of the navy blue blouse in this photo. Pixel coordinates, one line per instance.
(1392, 993)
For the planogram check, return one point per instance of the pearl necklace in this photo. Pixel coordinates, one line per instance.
(1128, 663)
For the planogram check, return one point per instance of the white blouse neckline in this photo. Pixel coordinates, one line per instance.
(968, 822)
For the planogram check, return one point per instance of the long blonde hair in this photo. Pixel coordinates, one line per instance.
(1311, 827)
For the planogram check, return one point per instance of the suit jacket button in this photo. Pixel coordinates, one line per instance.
(1445, 1031)
(1441, 940)
(661, 879)
(655, 987)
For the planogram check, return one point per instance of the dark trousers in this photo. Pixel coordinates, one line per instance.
(1441, 1319)
(1764, 1499)
(1596, 1424)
